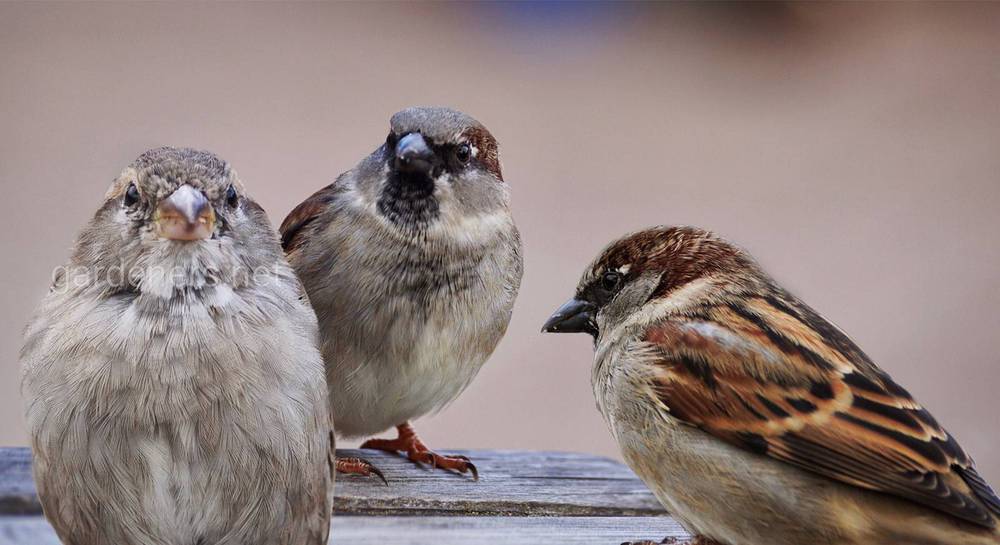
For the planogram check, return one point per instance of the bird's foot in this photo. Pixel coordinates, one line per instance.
(416, 451)
(458, 463)
(359, 466)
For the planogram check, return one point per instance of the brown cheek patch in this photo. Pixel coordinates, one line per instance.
(488, 153)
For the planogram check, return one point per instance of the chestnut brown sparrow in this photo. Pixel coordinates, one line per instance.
(412, 262)
(753, 419)
(173, 386)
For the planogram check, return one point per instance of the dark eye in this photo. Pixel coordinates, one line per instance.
(232, 199)
(463, 153)
(611, 280)
(131, 196)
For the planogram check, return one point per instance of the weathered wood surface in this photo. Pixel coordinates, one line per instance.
(511, 483)
(356, 530)
(17, 489)
(521, 497)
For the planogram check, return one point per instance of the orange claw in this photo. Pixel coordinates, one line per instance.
(417, 451)
(358, 466)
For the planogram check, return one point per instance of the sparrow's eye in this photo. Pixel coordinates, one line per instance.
(463, 153)
(611, 280)
(131, 196)
(232, 199)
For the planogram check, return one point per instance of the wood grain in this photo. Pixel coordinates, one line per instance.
(521, 497)
(351, 530)
(512, 483)
(17, 488)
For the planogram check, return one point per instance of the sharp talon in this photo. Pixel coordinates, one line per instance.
(378, 473)
(408, 444)
(358, 466)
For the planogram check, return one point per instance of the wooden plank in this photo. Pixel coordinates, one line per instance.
(512, 483)
(349, 530)
(505, 530)
(17, 488)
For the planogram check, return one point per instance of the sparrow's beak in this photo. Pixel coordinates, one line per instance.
(413, 155)
(185, 215)
(575, 316)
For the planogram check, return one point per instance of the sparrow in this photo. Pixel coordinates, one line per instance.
(412, 262)
(753, 419)
(172, 380)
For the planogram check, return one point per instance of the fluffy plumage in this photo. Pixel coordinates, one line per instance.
(778, 428)
(412, 262)
(173, 387)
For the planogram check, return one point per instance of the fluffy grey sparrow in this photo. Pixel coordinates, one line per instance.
(412, 263)
(753, 419)
(174, 390)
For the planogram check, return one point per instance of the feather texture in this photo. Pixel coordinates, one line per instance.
(765, 372)
(303, 216)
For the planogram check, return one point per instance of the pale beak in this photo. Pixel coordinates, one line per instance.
(185, 215)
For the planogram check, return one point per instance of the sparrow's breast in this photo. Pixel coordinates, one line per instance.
(407, 324)
(154, 415)
(717, 489)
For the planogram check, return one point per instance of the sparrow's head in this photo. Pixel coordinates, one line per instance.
(437, 166)
(662, 269)
(176, 217)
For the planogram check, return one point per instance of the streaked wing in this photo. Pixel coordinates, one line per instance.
(786, 383)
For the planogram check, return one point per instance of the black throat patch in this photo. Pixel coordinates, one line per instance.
(408, 200)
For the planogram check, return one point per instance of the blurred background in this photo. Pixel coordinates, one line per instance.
(853, 148)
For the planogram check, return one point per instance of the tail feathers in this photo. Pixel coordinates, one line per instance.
(981, 489)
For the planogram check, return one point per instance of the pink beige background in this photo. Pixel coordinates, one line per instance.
(854, 149)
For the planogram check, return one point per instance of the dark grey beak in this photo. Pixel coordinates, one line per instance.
(575, 316)
(413, 155)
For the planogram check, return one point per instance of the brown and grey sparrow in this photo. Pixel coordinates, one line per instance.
(174, 390)
(753, 419)
(412, 263)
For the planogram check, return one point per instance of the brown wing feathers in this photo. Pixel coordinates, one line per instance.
(303, 215)
(837, 414)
